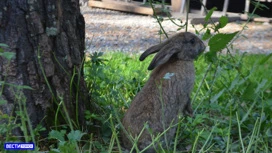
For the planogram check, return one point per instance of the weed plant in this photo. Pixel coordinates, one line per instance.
(231, 98)
(234, 117)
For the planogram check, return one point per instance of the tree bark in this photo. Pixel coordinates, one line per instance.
(48, 38)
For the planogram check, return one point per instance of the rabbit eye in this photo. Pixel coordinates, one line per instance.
(192, 41)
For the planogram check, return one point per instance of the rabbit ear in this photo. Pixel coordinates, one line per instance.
(152, 50)
(163, 56)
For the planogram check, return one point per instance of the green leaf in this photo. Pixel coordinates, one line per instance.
(234, 83)
(223, 21)
(17, 86)
(7, 55)
(2, 101)
(261, 85)
(268, 133)
(25, 87)
(263, 60)
(215, 97)
(57, 135)
(211, 56)
(168, 76)
(259, 5)
(220, 41)
(207, 34)
(54, 151)
(3, 45)
(75, 135)
(249, 92)
(209, 14)
(67, 147)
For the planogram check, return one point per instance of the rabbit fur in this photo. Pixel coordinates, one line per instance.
(160, 101)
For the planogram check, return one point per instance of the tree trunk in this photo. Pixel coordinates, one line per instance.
(48, 38)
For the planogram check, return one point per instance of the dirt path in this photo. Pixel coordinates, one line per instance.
(108, 30)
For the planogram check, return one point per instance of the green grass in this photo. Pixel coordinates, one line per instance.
(232, 106)
(232, 102)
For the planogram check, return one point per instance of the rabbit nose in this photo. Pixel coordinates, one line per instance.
(203, 46)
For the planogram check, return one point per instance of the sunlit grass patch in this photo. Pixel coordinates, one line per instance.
(232, 105)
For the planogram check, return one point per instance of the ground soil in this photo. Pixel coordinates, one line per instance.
(108, 30)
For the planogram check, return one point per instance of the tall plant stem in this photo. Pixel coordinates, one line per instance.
(187, 14)
(158, 20)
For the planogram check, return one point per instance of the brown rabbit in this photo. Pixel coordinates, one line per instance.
(167, 92)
